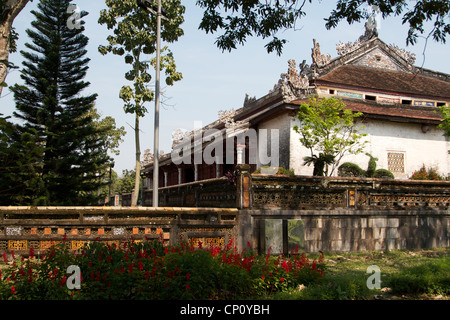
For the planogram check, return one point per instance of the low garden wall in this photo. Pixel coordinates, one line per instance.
(344, 230)
(267, 211)
(22, 228)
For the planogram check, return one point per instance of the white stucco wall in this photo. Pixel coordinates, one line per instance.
(278, 125)
(430, 148)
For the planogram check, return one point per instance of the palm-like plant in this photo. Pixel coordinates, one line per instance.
(320, 162)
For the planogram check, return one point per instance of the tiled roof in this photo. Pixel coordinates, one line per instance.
(391, 112)
(387, 81)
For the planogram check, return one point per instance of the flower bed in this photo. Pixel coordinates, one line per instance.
(154, 270)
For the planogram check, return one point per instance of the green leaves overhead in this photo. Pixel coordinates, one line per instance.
(236, 20)
(134, 36)
(415, 13)
(241, 19)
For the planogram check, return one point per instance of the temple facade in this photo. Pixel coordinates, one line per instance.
(399, 102)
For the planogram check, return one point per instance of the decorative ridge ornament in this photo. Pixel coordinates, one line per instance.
(294, 84)
(318, 57)
(408, 56)
(227, 117)
(371, 31)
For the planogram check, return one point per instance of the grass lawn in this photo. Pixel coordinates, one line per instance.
(405, 275)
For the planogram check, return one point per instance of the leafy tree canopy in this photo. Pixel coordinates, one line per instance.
(236, 20)
(329, 131)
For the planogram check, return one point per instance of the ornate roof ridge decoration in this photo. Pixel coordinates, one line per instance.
(408, 56)
(178, 135)
(293, 84)
(248, 100)
(369, 34)
(148, 157)
(318, 57)
(227, 117)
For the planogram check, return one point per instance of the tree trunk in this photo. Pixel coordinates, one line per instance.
(8, 13)
(137, 179)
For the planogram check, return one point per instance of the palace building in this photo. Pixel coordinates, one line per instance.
(399, 101)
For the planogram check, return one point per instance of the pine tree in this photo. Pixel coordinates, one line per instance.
(20, 181)
(52, 107)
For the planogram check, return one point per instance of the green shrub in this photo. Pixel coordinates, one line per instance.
(371, 166)
(349, 169)
(383, 174)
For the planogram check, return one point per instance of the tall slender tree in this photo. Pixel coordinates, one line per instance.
(54, 110)
(135, 37)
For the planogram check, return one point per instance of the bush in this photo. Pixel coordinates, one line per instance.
(371, 166)
(155, 270)
(426, 174)
(349, 169)
(383, 174)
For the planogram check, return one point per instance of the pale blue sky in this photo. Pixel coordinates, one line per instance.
(212, 80)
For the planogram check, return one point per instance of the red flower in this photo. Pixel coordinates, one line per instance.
(285, 266)
(31, 253)
(282, 279)
(13, 290)
(188, 276)
(63, 281)
(187, 287)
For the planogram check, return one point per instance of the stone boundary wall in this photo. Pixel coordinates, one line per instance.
(22, 228)
(302, 193)
(332, 214)
(344, 229)
(258, 191)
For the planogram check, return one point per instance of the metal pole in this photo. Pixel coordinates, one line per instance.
(156, 131)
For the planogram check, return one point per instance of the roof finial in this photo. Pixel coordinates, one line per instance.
(372, 24)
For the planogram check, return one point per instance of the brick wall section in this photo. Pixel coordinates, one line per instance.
(24, 227)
